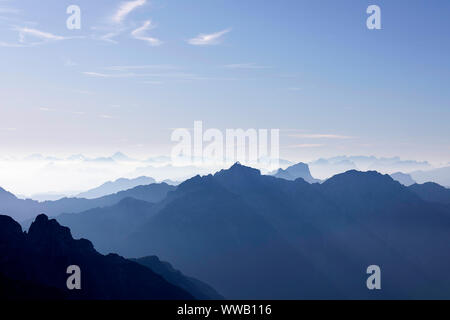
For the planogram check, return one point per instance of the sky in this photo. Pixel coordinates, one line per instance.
(138, 69)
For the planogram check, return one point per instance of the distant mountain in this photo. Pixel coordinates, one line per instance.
(22, 210)
(119, 156)
(299, 170)
(118, 185)
(325, 168)
(33, 265)
(403, 178)
(176, 173)
(198, 289)
(439, 175)
(45, 196)
(171, 182)
(17, 208)
(107, 227)
(259, 237)
(116, 157)
(40, 157)
(432, 192)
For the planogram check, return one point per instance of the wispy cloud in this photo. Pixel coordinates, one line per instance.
(12, 45)
(152, 82)
(305, 145)
(78, 113)
(126, 8)
(141, 67)
(139, 34)
(4, 9)
(320, 136)
(106, 116)
(82, 91)
(149, 78)
(208, 39)
(23, 32)
(108, 37)
(108, 75)
(174, 75)
(245, 66)
(38, 37)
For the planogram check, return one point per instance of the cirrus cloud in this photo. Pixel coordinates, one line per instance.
(139, 34)
(208, 39)
(320, 136)
(126, 8)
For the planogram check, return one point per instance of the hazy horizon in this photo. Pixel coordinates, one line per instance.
(71, 174)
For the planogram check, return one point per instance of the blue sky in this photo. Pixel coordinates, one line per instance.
(138, 69)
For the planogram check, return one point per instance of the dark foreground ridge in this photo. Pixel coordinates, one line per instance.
(34, 265)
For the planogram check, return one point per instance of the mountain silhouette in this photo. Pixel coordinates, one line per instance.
(215, 235)
(261, 237)
(439, 175)
(404, 178)
(107, 227)
(198, 289)
(118, 185)
(39, 259)
(23, 210)
(299, 170)
(432, 192)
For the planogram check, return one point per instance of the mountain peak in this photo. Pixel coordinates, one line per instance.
(119, 156)
(363, 181)
(240, 169)
(48, 233)
(9, 229)
(42, 218)
(431, 192)
(296, 171)
(363, 176)
(5, 195)
(43, 226)
(403, 178)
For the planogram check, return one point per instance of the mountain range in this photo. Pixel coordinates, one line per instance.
(325, 168)
(432, 192)
(118, 185)
(25, 210)
(262, 237)
(438, 175)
